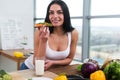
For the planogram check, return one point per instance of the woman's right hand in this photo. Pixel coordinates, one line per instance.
(44, 33)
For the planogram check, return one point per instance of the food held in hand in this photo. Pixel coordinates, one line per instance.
(38, 25)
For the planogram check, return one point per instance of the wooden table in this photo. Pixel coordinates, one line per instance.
(69, 70)
(9, 54)
(51, 73)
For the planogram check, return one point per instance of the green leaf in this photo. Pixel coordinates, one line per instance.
(2, 72)
(79, 67)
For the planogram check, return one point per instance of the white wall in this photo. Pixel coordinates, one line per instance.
(16, 14)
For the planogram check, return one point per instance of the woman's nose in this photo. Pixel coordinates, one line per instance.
(55, 15)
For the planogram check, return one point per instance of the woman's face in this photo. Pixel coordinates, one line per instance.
(56, 15)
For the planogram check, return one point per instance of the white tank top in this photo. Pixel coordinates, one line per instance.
(57, 55)
(51, 54)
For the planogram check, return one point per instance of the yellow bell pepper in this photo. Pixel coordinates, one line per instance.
(61, 77)
(18, 54)
(97, 75)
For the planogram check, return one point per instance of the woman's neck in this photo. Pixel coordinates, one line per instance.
(58, 31)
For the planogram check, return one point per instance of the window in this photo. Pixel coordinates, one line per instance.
(105, 7)
(105, 38)
(105, 29)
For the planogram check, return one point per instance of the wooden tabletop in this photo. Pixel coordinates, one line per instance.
(9, 54)
(69, 70)
(51, 73)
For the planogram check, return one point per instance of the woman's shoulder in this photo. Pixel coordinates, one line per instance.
(74, 34)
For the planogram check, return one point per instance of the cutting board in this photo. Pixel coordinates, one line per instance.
(26, 74)
(16, 76)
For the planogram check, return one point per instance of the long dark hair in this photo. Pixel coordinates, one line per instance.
(67, 27)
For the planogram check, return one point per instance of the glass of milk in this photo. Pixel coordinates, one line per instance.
(39, 66)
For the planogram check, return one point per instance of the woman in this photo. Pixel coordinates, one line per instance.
(57, 44)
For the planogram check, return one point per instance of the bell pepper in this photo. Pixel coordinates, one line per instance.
(18, 54)
(97, 75)
(60, 77)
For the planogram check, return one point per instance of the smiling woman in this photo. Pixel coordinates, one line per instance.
(56, 45)
(74, 14)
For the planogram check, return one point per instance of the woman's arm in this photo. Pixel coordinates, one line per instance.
(40, 39)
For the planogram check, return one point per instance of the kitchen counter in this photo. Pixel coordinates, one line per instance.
(9, 54)
(51, 73)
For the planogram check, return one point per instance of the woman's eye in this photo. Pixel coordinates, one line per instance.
(51, 12)
(60, 12)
